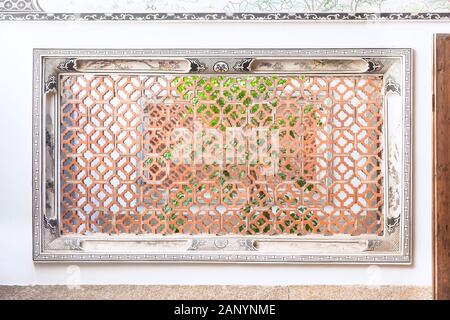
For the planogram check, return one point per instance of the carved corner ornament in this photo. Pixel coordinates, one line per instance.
(374, 65)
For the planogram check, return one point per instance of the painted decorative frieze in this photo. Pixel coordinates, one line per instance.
(225, 10)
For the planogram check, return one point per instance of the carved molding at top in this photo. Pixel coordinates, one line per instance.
(219, 244)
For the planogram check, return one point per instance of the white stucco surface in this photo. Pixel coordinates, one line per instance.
(17, 39)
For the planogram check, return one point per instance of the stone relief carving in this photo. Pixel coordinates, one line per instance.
(233, 244)
(243, 65)
(197, 66)
(392, 86)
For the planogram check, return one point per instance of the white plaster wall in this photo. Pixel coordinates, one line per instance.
(16, 42)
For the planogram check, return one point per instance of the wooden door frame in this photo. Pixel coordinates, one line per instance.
(441, 167)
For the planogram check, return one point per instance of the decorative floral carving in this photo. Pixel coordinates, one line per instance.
(221, 67)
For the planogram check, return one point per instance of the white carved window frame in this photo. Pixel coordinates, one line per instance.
(393, 247)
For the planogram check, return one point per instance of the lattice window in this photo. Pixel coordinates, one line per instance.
(221, 155)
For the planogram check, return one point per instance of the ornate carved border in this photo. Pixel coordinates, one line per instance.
(48, 62)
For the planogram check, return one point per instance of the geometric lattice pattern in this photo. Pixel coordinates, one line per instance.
(272, 155)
